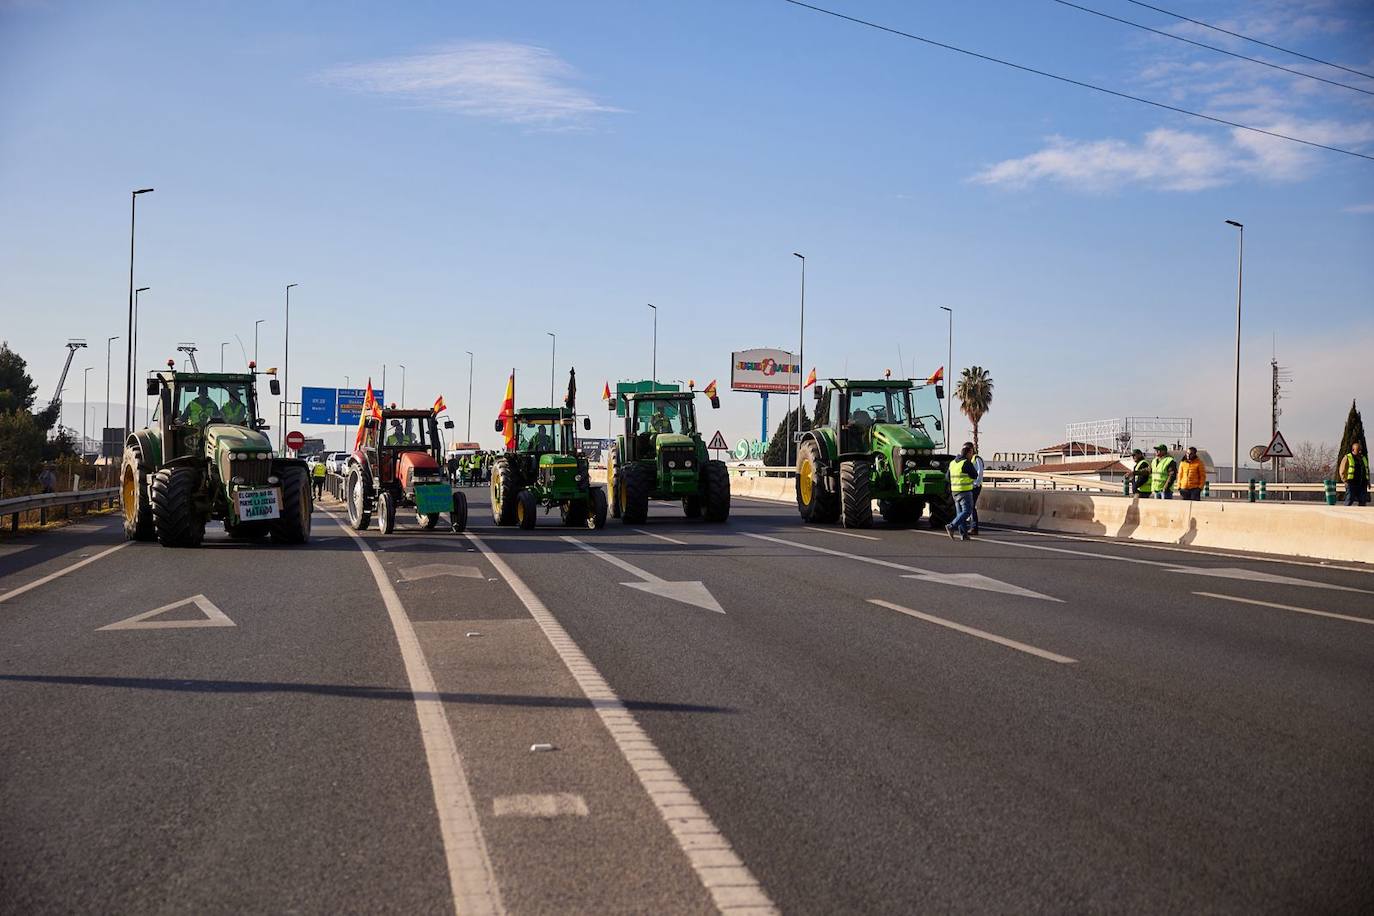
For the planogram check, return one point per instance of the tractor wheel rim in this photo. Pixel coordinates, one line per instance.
(806, 480)
(128, 495)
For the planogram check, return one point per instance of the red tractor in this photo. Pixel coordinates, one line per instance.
(399, 465)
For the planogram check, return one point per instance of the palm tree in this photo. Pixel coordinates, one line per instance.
(974, 392)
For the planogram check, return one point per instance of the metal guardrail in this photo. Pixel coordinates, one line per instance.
(42, 502)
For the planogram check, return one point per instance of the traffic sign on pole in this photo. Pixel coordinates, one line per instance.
(295, 440)
(717, 442)
(1278, 447)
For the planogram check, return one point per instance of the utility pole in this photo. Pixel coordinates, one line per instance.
(286, 372)
(1240, 277)
(655, 362)
(470, 359)
(129, 372)
(255, 340)
(85, 406)
(949, 380)
(1278, 375)
(553, 366)
(107, 392)
(801, 357)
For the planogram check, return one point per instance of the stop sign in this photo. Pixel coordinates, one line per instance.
(295, 440)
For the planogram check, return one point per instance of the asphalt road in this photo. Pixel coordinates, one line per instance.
(736, 717)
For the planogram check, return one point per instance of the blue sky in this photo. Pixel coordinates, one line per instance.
(443, 177)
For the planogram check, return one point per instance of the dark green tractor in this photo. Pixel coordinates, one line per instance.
(661, 455)
(882, 440)
(545, 470)
(204, 456)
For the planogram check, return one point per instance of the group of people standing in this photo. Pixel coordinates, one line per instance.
(1157, 478)
(471, 470)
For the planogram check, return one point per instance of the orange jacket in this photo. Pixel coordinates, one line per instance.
(1191, 474)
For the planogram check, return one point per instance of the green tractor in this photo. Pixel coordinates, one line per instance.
(882, 440)
(661, 455)
(545, 470)
(204, 456)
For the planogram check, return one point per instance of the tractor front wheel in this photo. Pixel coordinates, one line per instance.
(358, 513)
(505, 487)
(715, 481)
(816, 504)
(526, 510)
(459, 518)
(856, 501)
(133, 496)
(573, 512)
(386, 512)
(174, 511)
(596, 518)
(691, 506)
(638, 482)
(293, 527)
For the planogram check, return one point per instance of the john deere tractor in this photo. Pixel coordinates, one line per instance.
(205, 456)
(399, 464)
(661, 455)
(882, 440)
(545, 470)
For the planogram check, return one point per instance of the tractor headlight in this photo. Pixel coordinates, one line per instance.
(908, 452)
(672, 464)
(577, 477)
(911, 465)
(687, 464)
(237, 480)
(274, 480)
(262, 456)
(937, 464)
(234, 456)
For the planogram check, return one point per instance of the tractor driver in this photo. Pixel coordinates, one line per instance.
(541, 441)
(398, 435)
(659, 422)
(234, 410)
(201, 409)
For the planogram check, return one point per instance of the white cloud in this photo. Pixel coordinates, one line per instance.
(504, 81)
(1360, 208)
(1170, 159)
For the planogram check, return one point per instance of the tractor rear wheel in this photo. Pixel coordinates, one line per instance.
(596, 518)
(293, 527)
(816, 504)
(505, 489)
(856, 503)
(526, 510)
(459, 519)
(715, 484)
(386, 512)
(942, 511)
(133, 496)
(903, 512)
(174, 511)
(358, 514)
(638, 483)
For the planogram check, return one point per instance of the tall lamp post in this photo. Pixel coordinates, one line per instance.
(403, 385)
(129, 372)
(1240, 276)
(553, 365)
(137, 293)
(255, 339)
(654, 374)
(107, 389)
(470, 359)
(949, 380)
(801, 357)
(85, 406)
(286, 371)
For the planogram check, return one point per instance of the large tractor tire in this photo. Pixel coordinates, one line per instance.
(596, 517)
(505, 490)
(901, 512)
(386, 513)
(637, 484)
(297, 507)
(175, 518)
(856, 503)
(133, 496)
(942, 511)
(526, 510)
(359, 516)
(816, 504)
(715, 485)
(458, 521)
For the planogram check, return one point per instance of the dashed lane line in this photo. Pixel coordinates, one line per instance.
(847, 534)
(14, 593)
(471, 878)
(661, 537)
(733, 888)
(973, 631)
(1286, 607)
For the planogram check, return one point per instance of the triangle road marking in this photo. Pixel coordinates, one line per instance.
(214, 617)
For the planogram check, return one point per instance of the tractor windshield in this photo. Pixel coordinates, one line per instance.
(879, 405)
(926, 416)
(664, 416)
(200, 403)
(408, 431)
(543, 434)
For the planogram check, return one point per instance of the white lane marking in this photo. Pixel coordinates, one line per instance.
(430, 570)
(694, 593)
(557, 804)
(661, 537)
(1286, 607)
(846, 534)
(61, 572)
(958, 580)
(471, 878)
(214, 617)
(972, 631)
(725, 877)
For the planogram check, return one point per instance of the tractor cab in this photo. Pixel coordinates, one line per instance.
(399, 464)
(658, 420)
(402, 445)
(545, 430)
(865, 415)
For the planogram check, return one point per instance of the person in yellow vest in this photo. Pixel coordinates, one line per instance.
(1163, 473)
(234, 410)
(1140, 474)
(962, 477)
(1192, 476)
(317, 477)
(1354, 473)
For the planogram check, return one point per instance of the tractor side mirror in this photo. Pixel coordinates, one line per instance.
(261, 426)
(819, 393)
(448, 424)
(500, 426)
(274, 386)
(152, 387)
(940, 392)
(715, 403)
(587, 423)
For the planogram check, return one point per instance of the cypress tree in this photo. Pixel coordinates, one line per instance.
(1354, 432)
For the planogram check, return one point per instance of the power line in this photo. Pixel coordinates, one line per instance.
(1074, 82)
(1199, 44)
(1217, 28)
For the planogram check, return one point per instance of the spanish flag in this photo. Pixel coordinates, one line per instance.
(439, 405)
(370, 409)
(507, 415)
(810, 379)
(606, 392)
(936, 376)
(710, 390)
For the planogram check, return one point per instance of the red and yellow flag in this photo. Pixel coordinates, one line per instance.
(508, 413)
(606, 392)
(370, 409)
(710, 390)
(810, 379)
(936, 376)
(439, 405)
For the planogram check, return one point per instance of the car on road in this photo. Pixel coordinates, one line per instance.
(336, 462)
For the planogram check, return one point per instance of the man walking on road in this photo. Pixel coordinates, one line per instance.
(1163, 473)
(1140, 474)
(1354, 471)
(317, 477)
(961, 480)
(1192, 476)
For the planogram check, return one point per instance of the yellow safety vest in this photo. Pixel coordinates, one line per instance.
(199, 412)
(1350, 469)
(319, 469)
(235, 412)
(1143, 465)
(961, 478)
(1159, 473)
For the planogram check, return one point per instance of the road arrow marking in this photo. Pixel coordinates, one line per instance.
(693, 593)
(430, 570)
(959, 580)
(1248, 575)
(214, 617)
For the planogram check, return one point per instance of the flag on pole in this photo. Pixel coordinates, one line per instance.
(810, 379)
(439, 405)
(710, 390)
(570, 401)
(606, 392)
(936, 376)
(370, 409)
(508, 413)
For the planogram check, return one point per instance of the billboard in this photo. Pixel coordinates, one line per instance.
(334, 406)
(771, 371)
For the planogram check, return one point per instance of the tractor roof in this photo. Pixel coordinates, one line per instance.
(659, 395)
(209, 378)
(395, 413)
(543, 413)
(873, 383)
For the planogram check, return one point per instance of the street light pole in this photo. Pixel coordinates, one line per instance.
(107, 389)
(255, 339)
(129, 371)
(137, 292)
(85, 406)
(949, 379)
(1240, 276)
(801, 357)
(470, 359)
(655, 363)
(553, 366)
(403, 385)
(286, 372)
